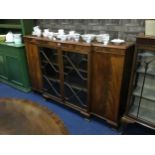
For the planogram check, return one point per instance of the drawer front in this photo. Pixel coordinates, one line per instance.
(109, 50)
(75, 48)
(46, 43)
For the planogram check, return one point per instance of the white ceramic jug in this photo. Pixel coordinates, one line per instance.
(17, 39)
(9, 37)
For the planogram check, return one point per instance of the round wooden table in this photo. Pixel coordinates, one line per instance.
(23, 117)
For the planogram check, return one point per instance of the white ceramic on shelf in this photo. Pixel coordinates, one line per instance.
(36, 31)
(61, 31)
(45, 32)
(117, 41)
(17, 38)
(50, 35)
(73, 36)
(100, 37)
(105, 39)
(63, 37)
(71, 32)
(9, 37)
(88, 37)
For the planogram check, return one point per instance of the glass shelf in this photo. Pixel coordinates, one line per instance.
(150, 71)
(147, 93)
(142, 99)
(146, 111)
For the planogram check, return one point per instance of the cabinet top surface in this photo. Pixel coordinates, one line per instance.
(12, 44)
(142, 36)
(122, 46)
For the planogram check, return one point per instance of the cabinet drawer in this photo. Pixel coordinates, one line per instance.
(75, 47)
(109, 50)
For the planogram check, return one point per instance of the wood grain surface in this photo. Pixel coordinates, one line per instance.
(23, 117)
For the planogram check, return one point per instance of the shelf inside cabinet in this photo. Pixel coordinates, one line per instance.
(150, 71)
(144, 113)
(11, 26)
(148, 94)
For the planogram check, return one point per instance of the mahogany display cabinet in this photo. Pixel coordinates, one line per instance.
(141, 99)
(90, 78)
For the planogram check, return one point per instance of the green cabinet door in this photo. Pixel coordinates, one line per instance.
(3, 73)
(13, 67)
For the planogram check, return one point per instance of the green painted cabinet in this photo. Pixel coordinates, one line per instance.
(3, 73)
(13, 67)
(13, 64)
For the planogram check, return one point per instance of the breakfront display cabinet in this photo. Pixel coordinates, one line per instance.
(89, 78)
(141, 99)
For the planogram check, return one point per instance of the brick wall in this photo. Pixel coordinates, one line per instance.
(126, 29)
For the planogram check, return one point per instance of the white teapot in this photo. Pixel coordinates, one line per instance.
(9, 37)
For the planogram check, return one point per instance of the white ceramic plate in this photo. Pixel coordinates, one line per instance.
(117, 41)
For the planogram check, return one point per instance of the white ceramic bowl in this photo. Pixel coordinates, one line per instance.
(63, 37)
(61, 31)
(100, 37)
(117, 41)
(74, 37)
(50, 35)
(88, 37)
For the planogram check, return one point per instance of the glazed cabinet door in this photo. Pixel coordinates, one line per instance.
(142, 100)
(49, 58)
(107, 71)
(75, 70)
(33, 59)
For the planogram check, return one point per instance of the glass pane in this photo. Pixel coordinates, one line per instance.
(144, 93)
(50, 70)
(75, 78)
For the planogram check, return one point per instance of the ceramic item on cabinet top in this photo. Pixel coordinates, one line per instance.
(88, 37)
(17, 38)
(36, 31)
(105, 39)
(61, 31)
(9, 37)
(117, 41)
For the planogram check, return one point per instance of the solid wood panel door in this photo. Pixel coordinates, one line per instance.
(33, 59)
(107, 72)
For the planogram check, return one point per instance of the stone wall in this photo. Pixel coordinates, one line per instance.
(126, 29)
